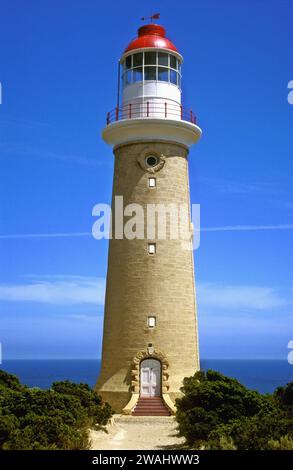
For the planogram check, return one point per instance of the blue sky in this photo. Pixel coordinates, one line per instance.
(58, 73)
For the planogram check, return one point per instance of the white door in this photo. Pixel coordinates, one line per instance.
(150, 378)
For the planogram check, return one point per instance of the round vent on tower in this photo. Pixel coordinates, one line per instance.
(151, 161)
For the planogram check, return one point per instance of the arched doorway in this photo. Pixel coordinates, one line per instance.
(150, 378)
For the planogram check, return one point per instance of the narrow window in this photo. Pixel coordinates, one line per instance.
(163, 59)
(128, 62)
(163, 74)
(173, 62)
(150, 58)
(128, 77)
(151, 322)
(152, 182)
(137, 74)
(150, 73)
(173, 77)
(137, 59)
(152, 248)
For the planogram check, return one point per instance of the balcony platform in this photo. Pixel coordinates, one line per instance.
(151, 129)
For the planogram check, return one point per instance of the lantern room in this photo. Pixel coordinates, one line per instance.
(151, 65)
(149, 93)
(150, 72)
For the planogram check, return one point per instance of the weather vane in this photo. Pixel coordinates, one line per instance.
(155, 16)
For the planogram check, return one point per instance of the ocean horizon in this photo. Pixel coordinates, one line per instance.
(263, 375)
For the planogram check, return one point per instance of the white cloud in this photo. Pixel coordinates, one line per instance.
(232, 228)
(25, 151)
(242, 297)
(45, 235)
(224, 228)
(71, 290)
(58, 290)
(237, 187)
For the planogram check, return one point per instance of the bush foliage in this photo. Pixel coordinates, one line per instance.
(59, 418)
(218, 412)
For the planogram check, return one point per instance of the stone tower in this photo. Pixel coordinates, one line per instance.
(150, 327)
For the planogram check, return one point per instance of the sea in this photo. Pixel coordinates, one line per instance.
(261, 375)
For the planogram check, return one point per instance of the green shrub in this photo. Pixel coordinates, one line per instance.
(284, 443)
(90, 400)
(217, 412)
(58, 418)
(251, 433)
(47, 432)
(284, 395)
(8, 423)
(223, 442)
(10, 381)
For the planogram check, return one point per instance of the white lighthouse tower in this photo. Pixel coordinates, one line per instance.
(150, 327)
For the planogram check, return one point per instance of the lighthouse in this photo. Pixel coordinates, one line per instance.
(150, 337)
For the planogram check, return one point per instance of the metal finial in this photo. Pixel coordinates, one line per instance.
(155, 16)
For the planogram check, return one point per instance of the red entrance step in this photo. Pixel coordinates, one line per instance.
(150, 407)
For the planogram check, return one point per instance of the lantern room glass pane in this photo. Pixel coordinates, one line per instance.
(137, 59)
(150, 73)
(173, 62)
(163, 74)
(173, 77)
(150, 58)
(163, 59)
(128, 62)
(127, 77)
(137, 74)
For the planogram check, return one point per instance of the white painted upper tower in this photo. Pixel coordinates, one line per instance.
(150, 108)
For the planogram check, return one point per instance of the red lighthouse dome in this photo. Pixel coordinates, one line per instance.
(151, 35)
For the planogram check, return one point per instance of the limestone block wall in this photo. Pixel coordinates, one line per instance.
(140, 285)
